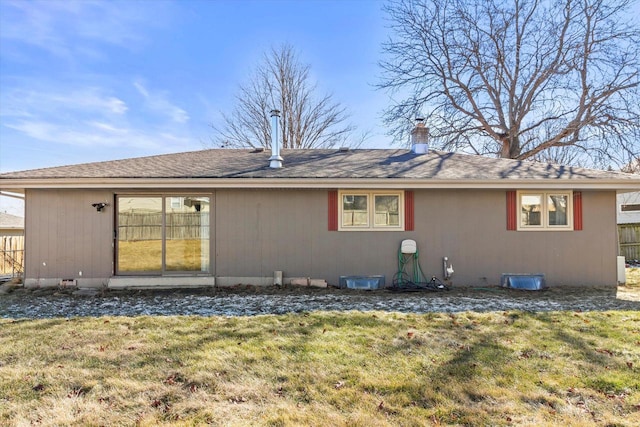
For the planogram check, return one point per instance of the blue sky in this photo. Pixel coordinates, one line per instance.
(84, 81)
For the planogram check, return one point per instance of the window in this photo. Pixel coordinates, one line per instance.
(545, 210)
(371, 210)
(629, 208)
(176, 202)
(355, 210)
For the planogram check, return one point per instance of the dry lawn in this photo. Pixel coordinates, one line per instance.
(633, 277)
(324, 369)
(631, 290)
(146, 255)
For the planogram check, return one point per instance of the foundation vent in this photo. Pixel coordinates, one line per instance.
(362, 282)
(529, 282)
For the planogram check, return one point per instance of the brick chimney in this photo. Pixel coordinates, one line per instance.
(420, 137)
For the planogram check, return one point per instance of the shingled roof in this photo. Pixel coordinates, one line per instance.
(8, 221)
(313, 163)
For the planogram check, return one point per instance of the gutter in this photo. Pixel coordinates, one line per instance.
(19, 195)
(19, 185)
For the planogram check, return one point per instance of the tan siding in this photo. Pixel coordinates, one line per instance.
(470, 228)
(262, 231)
(259, 231)
(64, 231)
(266, 230)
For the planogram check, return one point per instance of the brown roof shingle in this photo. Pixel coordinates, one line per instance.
(8, 221)
(328, 164)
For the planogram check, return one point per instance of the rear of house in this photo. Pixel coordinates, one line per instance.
(225, 217)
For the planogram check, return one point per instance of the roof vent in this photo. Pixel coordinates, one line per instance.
(344, 149)
(420, 137)
(258, 150)
(275, 161)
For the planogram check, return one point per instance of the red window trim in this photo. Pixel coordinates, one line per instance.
(512, 207)
(409, 217)
(577, 210)
(333, 210)
(408, 211)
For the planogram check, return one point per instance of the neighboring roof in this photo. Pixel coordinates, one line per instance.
(238, 167)
(8, 221)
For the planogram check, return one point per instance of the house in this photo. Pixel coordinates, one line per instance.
(11, 225)
(11, 245)
(629, 208)
(628, 211)
(228, 216)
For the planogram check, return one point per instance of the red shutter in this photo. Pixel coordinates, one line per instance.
(408, 211)
(512, 206)
(577, 210)
(333, 210)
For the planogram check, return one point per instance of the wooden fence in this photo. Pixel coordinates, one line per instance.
(144, 226)
(11, 255)
(629, 238)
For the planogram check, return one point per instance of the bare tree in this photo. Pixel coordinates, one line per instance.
(633, 166)
(522, 79)
(282, 82)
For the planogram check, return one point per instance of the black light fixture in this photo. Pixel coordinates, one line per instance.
(100, 206)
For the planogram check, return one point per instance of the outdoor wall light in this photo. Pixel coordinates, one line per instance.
(99, 206)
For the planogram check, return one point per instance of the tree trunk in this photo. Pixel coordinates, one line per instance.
(510, 147)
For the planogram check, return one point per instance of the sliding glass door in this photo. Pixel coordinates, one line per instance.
(139, 235)
(187, 233)
(163, 234)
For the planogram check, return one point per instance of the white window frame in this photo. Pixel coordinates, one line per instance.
(371, 194)
(545, 211)
(176, 202)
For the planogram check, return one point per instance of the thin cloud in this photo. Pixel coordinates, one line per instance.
(141, 89)
(159, 103)
(22, 102)
(70, 28)
(92, 116)
(85, 135)
(107, 127)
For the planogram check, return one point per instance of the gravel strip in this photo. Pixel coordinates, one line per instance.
(248, 301)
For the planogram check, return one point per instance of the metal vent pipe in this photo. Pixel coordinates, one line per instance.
(275, 161)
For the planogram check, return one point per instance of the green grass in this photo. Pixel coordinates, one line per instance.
(324, 368)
